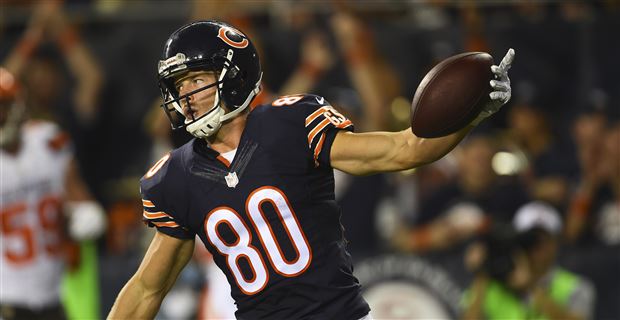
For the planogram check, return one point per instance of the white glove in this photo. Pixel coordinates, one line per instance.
(501, 88)
(87, 219)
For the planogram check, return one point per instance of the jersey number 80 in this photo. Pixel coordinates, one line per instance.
(242, 247)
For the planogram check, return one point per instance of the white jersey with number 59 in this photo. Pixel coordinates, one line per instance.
(32, 184)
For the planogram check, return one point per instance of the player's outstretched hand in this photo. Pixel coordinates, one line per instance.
(87, 220)
(501, 87)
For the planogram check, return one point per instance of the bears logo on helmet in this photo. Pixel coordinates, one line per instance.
(223, 34)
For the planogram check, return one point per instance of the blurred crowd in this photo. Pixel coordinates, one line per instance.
(524, 213)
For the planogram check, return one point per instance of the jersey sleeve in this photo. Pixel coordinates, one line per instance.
(157, 212)
(322, 122)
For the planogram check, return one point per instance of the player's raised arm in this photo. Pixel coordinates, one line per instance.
(367, 153)
(372, 152)
(162, 263)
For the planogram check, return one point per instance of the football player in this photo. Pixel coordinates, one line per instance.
(257, 185)
(41, 191)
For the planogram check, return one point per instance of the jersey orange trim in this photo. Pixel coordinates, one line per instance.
(319, 127)
(344, 124)
(318, 148)
(314, 115)
(168, 224)
(147, 203)
(223, 160)
(155, 215)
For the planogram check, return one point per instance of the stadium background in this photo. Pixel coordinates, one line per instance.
(566, 71)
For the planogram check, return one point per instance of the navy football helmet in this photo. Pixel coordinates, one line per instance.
(210, 46)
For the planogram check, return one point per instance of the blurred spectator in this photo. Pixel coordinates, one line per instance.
(461, 209)
(42, 73)
(593, 221)
(47, 96)
(48, 47)
(521, 280)
(371, 76)
(502, 277)
(316, 59)
(374, 86)
(594, 213)
(473, 23)
(41, 188)
(550, 162)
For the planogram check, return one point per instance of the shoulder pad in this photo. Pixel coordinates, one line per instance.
(155, 174)
(157, 187)
(169, 169)
(313, 116)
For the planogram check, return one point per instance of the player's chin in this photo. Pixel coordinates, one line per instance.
(198, 110)
(190, 114)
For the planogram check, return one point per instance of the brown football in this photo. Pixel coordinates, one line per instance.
(451, 95)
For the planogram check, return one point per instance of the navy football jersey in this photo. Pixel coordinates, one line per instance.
(269, 217)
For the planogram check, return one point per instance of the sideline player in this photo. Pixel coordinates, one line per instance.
(39, 183)
(257, 185)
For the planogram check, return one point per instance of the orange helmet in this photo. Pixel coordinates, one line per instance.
(9, 87)
(12, 110)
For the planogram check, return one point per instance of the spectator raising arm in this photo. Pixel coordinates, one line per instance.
(49, 21)
(83, 66)
(316, 59)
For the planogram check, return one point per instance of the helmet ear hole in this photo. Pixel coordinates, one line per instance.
(233, 72)
(231, 93)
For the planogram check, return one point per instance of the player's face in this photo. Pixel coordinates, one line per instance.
(200, 102)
